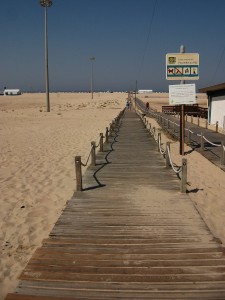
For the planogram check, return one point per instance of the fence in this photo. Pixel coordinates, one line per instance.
(92, 155)
(191, 110)
(180, 171)
(171, 127)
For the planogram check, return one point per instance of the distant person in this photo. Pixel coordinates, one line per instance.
(147, 106)
(127, 104)
(130, 104)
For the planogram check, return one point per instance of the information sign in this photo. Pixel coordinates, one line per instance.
(182, 94)
(182, 66)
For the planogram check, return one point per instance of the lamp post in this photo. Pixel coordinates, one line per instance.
(92, 72)
(46, 4)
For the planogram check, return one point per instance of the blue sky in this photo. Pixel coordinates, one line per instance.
(129, 38)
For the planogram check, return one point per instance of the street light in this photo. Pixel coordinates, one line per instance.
(46, 4)
(92, 67)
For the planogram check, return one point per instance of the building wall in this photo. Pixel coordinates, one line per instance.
(217, 110)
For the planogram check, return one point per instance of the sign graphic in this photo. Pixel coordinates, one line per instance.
(182, 94)
(182, 66)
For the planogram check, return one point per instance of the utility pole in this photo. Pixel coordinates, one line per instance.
(46, 4)
(182, 115)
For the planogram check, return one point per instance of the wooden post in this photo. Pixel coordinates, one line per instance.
(110, 129)
(107, 135)
(159, 139)
(206, 123)
(78, 172)
(192, 119)
(223, 154)
(202, 142)
(216, 126)
(93, 154)
(198, 120)
(113, 126)
(183, 187)
(182, 128)
(167, 155)
(189, 137)
(101, 142)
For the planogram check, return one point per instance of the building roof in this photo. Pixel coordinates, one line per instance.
(213, 88)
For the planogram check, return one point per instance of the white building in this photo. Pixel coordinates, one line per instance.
(216, 103)
(145, 91)
(14, 92)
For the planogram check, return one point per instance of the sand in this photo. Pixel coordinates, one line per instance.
(37, 173)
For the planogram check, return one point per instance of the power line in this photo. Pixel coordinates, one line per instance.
(148, 39)
(218, 65)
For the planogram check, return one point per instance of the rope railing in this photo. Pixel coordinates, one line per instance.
(180, 171)
(216, 145)
(166, 123)
(92, 154)
(84, 165)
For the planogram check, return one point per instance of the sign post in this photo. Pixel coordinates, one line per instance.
(182, 66)
(182, 94)
(182, 120)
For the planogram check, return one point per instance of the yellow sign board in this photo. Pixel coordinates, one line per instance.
(182, 66)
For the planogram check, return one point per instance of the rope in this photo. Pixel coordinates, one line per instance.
(160, 148)
(171, 163)
(98, 143)
(211, 142)
(84, 165)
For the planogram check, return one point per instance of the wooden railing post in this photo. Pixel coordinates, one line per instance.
(198, 120)
(101, 142)
(159, 139)
(183, 187)
(78, 172)
(206, 123)
(189, 136)
(107, 135)
(202, 142)
(167, 155)
(222, 154)
(93, 154)
(216, 126)
(110, 129)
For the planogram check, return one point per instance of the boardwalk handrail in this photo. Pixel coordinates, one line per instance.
(163, 120)
(181, 171)
(92, 153)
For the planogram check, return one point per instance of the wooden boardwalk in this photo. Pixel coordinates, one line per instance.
(129, 235)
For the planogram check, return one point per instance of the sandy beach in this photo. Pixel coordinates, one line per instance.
(37, 173)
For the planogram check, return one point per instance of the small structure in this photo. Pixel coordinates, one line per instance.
(216, 104)
(14, 92)
(190, 110)
(145, 91)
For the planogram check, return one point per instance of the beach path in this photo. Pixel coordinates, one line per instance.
(130, 234)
